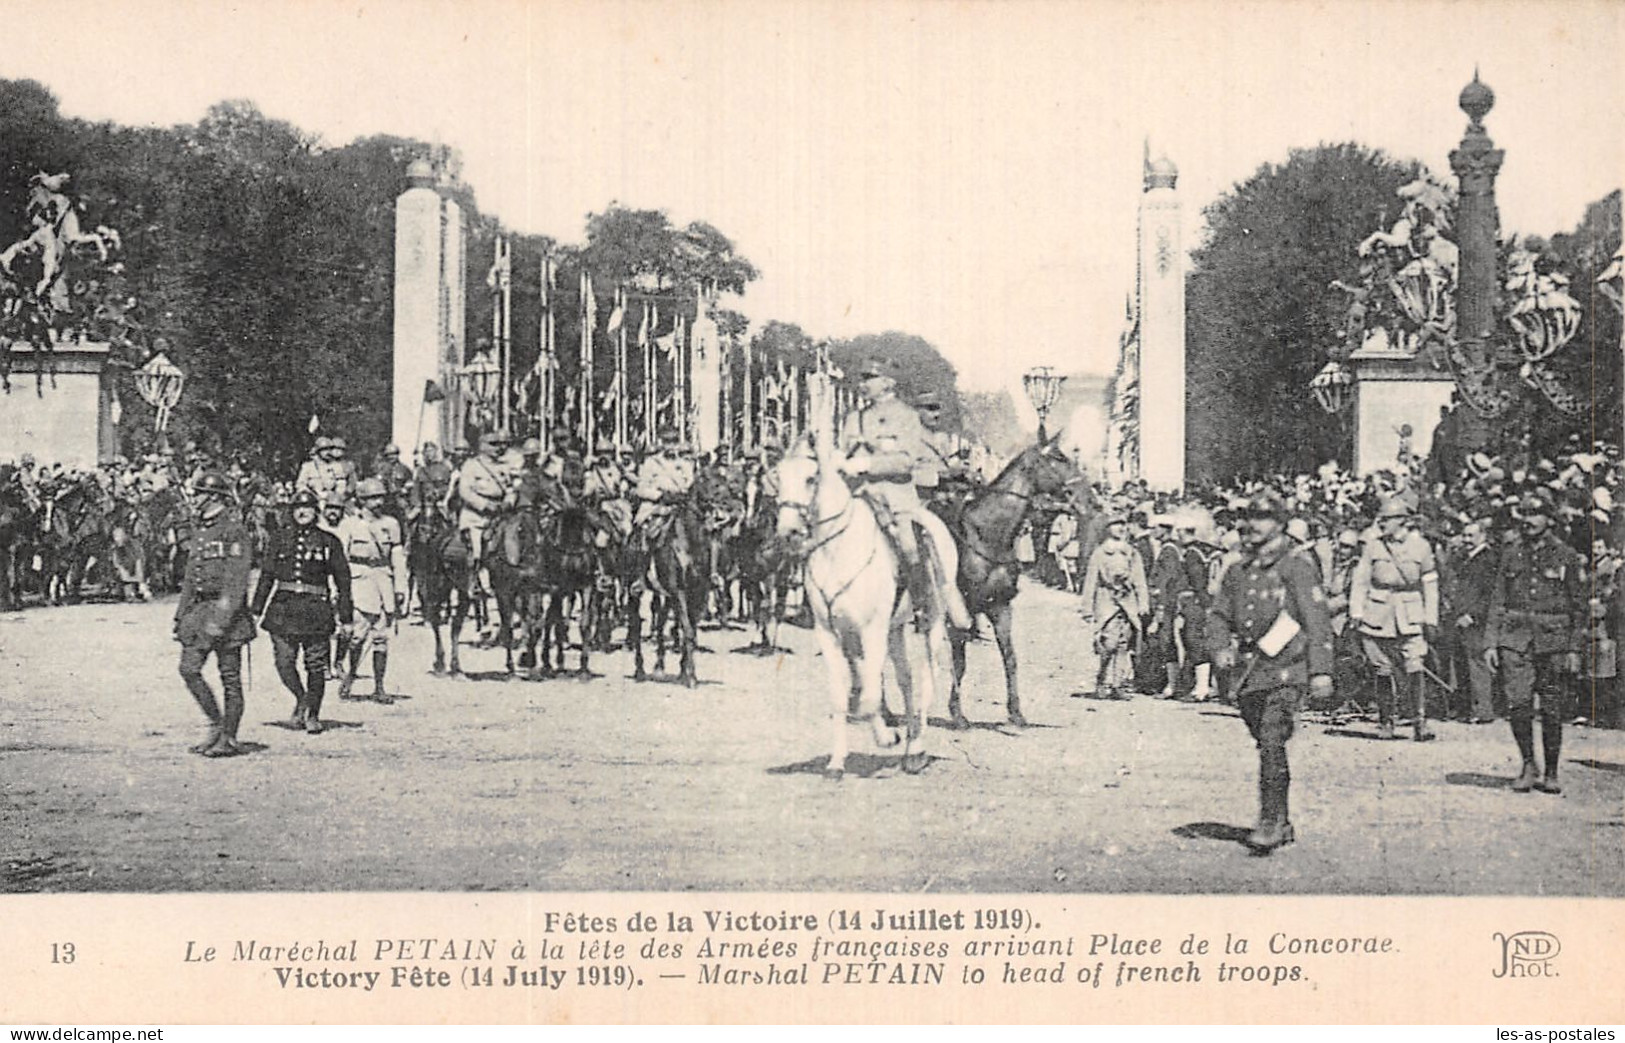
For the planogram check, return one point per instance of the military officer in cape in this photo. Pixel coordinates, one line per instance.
(1269, 624)
(213, 617)
(890, 455)
(303, 591)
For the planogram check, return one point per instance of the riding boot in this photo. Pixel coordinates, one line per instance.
(1387, 695)
(1523, 730)
(315, 688)
(1551, 741)
(1419, 695)
(380, 662)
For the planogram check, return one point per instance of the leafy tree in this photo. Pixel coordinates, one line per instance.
(1260, 316)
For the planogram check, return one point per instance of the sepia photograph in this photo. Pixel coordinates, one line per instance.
(974, 459)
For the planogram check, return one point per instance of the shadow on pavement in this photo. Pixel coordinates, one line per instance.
(1350, 733)
(858, 765)
(1478, 779)
(1214, 831)
(1609, 766)
(1002, 727)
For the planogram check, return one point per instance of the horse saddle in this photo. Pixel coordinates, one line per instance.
(453, 548)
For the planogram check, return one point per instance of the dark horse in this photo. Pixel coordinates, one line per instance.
(445, 578)
(557, 563)
(988, 567)
(676, 559)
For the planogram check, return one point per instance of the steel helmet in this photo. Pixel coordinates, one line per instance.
(370, 488)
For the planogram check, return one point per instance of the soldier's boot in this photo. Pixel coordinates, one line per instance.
(1387, 695)
(203, 695)
(315, 689)
(1274, 830)
(1172, 672)
(1551, 741)
(1523, 731)
(226, 745)
(380, 663)
(1419, 696)
(1204, 684)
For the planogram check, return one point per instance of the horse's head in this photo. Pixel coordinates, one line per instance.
(1057, 478)
(797, 476)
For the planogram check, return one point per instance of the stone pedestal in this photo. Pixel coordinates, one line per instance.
(71, 423)
(1392, 391)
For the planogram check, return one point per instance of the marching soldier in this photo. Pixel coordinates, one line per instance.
(327, 471)
(298, 610)
(1535, 635)
(1394, 603)
(372, 545)
(1270, 618)
(890, 454)
(213, 615)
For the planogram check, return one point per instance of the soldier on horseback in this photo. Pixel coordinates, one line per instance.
(665, 479)
(328, 471)
(890, 454)
(480, 486)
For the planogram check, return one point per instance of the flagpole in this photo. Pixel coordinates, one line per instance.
(620, 374)
(680, 384)
(647, 344)
(745, 441)
(544, 411)
(507, 335)
(726, 383)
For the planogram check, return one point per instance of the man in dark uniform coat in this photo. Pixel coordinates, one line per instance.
(1535, 634)
(429, 485)
(213, 615)
(293, 593)
(1270, 609)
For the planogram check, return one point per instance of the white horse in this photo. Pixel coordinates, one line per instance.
(860, 606)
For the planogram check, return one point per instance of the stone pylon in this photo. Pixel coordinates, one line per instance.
(429, 310)
(1162, 329)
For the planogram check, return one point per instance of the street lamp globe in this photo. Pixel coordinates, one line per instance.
(1331, 387)
(1043, 387)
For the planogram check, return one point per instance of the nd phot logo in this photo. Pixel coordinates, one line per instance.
(1527, 954)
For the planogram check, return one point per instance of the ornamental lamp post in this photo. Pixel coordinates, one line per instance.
(159, 382)
(1331, 387)
(1043, 387)
(481, 379)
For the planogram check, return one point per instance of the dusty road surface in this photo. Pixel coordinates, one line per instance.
(603, 784)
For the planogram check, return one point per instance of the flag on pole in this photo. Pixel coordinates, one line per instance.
(616, 317)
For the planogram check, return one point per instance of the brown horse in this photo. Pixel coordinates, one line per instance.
(988, 568)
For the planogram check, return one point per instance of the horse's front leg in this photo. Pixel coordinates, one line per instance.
(840, 691)
(956, 643)
(1004, 631)
(913, 686)
(873, 645)
(687, 623)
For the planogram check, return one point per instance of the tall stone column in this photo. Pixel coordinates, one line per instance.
(1476, 163)
(1478, 224)
(419, 307)
(1162, 330)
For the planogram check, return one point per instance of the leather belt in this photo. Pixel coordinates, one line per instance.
(301, 588)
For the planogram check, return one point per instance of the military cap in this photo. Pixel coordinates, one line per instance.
(493, 438)
(392, 450)
(324, 442)
(304, 498)
(370, 487)
(1394, 507)
(337, 443)
(212, 482)
(333, 499)
(1266, 504)
(532, 447)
